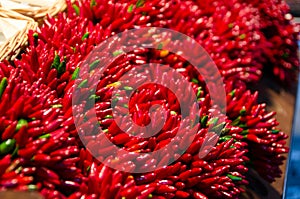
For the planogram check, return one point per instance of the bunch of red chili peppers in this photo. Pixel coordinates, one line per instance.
(40, 148)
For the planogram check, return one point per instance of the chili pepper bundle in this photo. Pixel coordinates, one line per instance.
(54, 55)
(231, 38)
(279, 30)
(266, 142)
(193, 177)
(217, 175)
(242, 37)
(37, 153)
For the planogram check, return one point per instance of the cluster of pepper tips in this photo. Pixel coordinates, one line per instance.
(40, 147)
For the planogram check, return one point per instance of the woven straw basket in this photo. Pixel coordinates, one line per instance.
(13, 32)
(36, 9)
(19, 16)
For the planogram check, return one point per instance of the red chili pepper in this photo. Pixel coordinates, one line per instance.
(53, 125)
(194, 181)
(9, 175)
(203, 164)
(36, 131)
(165, 189)
(4, 163)
(254, 138)
(121, 138)
(138, 146)
(220, 170)
(147, 178)
(9, 131)
(199, 195)
(146, 192)
(27, 152)
(29, 170)
(65, 152)
(185, 175)
(42, 158)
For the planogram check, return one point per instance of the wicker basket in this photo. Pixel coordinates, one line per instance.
(13, 32)
(36, 9)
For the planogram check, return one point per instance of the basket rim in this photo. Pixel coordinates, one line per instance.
(6, 13)
(40, 12)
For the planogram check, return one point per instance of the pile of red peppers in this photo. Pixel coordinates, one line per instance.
(40, 149)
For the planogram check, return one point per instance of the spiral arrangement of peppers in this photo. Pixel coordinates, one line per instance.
(39, 145)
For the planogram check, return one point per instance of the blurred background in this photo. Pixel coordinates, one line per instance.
(292, 183)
